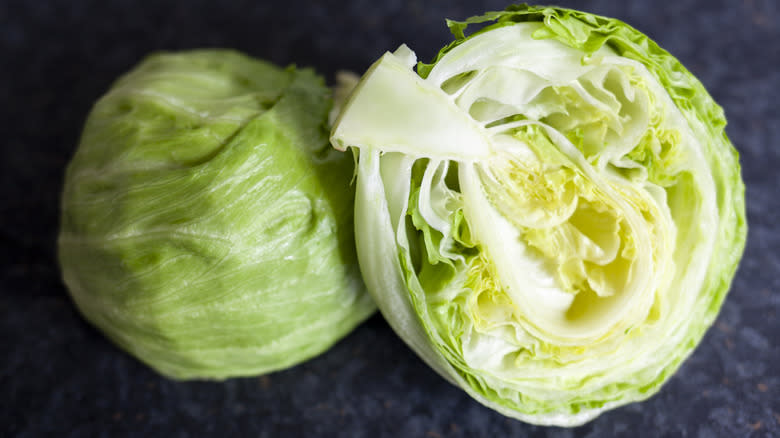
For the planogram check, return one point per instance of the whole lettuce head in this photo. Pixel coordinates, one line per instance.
(206, 222)
(550, 213)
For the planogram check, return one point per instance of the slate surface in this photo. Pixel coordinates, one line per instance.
(60, 377)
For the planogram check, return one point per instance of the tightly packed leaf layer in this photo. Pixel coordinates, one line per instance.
(207, 224)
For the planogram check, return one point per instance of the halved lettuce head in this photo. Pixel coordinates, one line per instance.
(550, 213)
(206, 221)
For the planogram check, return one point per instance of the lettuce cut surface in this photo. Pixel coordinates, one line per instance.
(549, 213)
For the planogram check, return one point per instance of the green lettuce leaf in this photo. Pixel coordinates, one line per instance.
(206, 223)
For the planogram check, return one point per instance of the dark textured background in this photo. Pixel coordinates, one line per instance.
(60, 377)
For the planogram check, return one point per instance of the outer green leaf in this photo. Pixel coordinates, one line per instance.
(206, 224)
